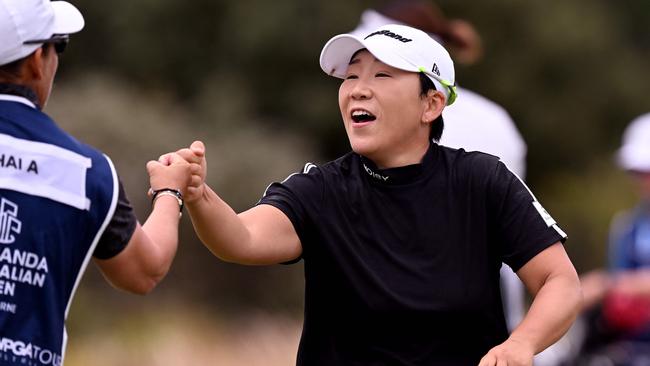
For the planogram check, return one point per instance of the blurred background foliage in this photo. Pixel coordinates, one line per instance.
(149, 76)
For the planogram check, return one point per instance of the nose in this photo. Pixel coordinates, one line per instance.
(360, 90)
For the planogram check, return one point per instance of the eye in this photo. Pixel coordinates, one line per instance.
(382, 75)
(351, 76)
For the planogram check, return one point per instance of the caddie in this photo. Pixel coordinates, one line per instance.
(61, 201)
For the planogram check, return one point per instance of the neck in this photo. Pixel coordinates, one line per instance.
(19, 90)
(396, 159)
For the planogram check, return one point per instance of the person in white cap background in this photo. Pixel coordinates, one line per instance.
(61, 201)
(617, 299)
(616, 307)
(401, 238)
(630, 230)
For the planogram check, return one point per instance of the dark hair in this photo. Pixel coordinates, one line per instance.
(438, 125)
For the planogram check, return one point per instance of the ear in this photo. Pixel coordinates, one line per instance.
(35, 64)
(434, 103)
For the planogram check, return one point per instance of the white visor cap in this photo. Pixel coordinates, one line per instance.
(635, 152)
(31, 20)
(399, 46)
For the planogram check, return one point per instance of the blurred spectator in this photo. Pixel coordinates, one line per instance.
(630, 237)
(630, 240)
(618, 303)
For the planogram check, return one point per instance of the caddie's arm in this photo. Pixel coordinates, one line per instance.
(149, 253)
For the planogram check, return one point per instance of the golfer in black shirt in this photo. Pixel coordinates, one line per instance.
(402, 239)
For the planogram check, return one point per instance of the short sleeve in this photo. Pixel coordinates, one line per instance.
(298, 197)
(523, 227)
(120, 229)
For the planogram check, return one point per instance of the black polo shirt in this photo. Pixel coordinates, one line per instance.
(402, 265)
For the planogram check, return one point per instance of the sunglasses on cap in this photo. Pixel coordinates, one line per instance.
(59, 41)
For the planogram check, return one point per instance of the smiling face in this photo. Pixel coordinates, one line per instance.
(385, 117)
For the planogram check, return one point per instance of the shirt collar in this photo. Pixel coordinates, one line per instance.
(20, 94)
(403, 174)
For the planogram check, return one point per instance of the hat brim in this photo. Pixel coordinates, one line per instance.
(337, 53)
(67, 18)
(335, 56)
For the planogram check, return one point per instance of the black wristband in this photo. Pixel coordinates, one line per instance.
(155, 193)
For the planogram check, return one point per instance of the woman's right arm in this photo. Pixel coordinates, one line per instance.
(260, 235)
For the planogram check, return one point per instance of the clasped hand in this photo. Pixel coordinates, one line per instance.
(184, 170)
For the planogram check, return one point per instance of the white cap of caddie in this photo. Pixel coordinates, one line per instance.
(635, 152)
(22, 22)
(399, 46)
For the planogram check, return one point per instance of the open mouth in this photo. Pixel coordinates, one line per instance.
(360, 115)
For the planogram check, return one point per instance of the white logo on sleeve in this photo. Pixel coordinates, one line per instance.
(545, 215)
(9, 223)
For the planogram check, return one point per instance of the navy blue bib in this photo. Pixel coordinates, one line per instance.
(57, 196)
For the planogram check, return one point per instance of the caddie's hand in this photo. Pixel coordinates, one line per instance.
(175, 173)
(195, 155)
(512, 352)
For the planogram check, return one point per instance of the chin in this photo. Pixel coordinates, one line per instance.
(364, 148)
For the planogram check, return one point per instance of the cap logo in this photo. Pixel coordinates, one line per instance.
(390, 34)
(435, 69)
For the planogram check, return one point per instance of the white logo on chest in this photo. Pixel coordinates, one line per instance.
(9, 223)
(375, 175)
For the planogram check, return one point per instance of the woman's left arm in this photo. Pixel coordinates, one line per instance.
(552, 280)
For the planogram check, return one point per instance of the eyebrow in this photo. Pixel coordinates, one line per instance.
(356, 60)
